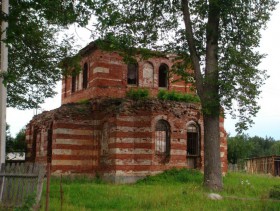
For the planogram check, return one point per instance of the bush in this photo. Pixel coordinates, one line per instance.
(274, 193)
(138, 94)
(177, 96)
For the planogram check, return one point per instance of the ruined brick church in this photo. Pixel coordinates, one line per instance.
(99, 131)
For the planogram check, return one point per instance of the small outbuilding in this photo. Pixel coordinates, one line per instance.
(264, 165)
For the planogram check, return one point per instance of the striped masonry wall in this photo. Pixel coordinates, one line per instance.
(73, 148)
(117, 140)
(107, 77)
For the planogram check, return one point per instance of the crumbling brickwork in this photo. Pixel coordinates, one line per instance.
(98, 130)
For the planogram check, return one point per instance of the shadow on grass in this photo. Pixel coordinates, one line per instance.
(174, 176)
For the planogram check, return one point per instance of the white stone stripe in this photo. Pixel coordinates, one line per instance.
(73, 162)
(68, 131)
(143, 162)
(131, 129)
(134, 119)
(73, 152)
(178, 152)
(108, 79)
(181, 86)
(130, 140)
(80, 142)
(131, 151)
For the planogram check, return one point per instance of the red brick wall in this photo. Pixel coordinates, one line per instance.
(130, 151)
(73, 149)
(107, 77)
(115, 138)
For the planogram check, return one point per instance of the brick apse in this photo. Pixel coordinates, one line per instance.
(98, 131)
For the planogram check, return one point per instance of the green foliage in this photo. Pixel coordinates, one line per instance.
(84, 101)
(28, 204)
(81, 179)
(137, 94)
(19, 141)
(16, 144)
(174, 176)
(9, 140)
(174, 190)
(231, 28)
(177, 96)
(274, 192)
(35, 50)
(70, 65)
(248, 186)
(242, 146)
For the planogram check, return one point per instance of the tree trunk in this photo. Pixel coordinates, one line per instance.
(212, 158)
(208, 90)
(3, 90)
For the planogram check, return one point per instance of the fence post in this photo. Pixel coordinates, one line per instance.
(61, 193)
(48, 185)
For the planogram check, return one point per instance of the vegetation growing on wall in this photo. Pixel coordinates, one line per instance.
(177, 96)
(137, 94)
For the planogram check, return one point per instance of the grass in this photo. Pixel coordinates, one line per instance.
(171, 190)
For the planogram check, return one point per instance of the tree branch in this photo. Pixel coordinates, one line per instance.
(191, 44)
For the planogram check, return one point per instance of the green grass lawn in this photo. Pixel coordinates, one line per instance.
(172, 190)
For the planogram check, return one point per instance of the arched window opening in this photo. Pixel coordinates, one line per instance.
(162, 138)
(148, 75)
(85, 76)
(132, 74)
(163, 76)
(73, 83)
(192, 140)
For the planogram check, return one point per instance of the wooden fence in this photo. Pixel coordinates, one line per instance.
(264, 165)
(18, 181)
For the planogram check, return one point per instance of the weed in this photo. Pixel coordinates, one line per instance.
(274, 192)
(174, 176)
(138, 94)
(83, 101)
(177, 96)
(28, 204)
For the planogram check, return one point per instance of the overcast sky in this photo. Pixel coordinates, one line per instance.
(267, 122)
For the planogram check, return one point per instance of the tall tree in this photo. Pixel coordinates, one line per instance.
(34, 51)
(36, 47)
(217, 37)
(3, 90)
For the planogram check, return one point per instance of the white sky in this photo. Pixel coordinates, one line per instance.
(267, 122)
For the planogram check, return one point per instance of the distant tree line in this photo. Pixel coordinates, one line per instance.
(15, 144)
(243, 146)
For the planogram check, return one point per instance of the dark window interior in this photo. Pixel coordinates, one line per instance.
(163, 73)
(85, 76)
(132, 74)
(73, 83)
(193, 141)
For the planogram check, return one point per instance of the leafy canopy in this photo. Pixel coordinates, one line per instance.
(242, 146)
(35, 47)
(159, 25)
